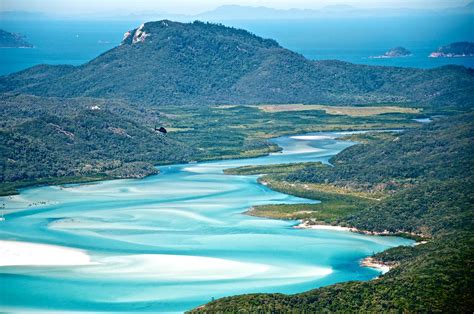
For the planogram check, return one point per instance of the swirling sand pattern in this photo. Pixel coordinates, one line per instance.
(172, 241)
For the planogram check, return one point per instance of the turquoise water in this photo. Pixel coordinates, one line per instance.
(355, 39)
(349, 39)
(173, 241)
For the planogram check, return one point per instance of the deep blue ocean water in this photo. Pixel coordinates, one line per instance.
(348, 39)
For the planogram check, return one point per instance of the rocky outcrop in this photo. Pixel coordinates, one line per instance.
(139, 35)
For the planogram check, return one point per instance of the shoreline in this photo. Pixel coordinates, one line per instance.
(373, 263)
(304, 225)
(369, 261)
(419, 239)
(17, 253)
(75, 257)
(18, 186)
(14, 188)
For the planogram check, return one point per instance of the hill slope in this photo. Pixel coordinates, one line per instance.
(80, 139)
(437, 203)
(168, 62)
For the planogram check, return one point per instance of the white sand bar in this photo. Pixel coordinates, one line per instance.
(312, 137)
(171, 267)
(304, 225)
(15, 253)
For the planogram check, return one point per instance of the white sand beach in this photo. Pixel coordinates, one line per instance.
(16, 253)
(312, 137)
(372, 263)
(304, 225)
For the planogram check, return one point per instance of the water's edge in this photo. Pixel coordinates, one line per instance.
(192, 204)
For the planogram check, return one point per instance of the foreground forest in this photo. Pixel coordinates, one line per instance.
(417, 183)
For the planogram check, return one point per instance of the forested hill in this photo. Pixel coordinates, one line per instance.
(427, 172)
(173, 63)
(437, 203)
(438, 151)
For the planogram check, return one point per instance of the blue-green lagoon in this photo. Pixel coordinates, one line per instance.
(171, 242)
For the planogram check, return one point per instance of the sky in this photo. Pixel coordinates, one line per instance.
(198, 6)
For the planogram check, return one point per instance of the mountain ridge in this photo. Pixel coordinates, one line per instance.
(243, 12)
(204, 63)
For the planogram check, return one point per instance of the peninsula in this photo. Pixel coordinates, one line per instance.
(13, 40)
(454, 50)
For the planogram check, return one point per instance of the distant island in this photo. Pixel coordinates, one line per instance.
(13, 40)
(454, 50)
(397, 52)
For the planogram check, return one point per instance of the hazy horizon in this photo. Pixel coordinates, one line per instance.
(190, 7)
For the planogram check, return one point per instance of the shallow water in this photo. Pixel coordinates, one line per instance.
(176, 240)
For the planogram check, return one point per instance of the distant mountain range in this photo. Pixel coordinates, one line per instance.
(236, 12)
(239, 12)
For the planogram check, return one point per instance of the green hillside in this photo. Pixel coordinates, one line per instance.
(435, 203)
(167, 62)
